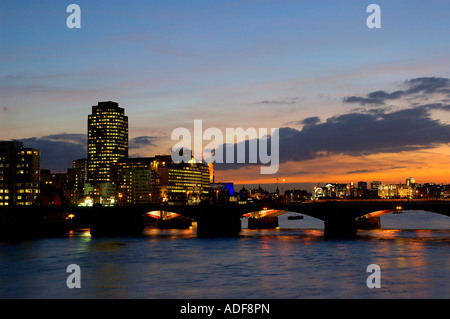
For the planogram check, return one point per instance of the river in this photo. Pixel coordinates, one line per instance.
(290, 262)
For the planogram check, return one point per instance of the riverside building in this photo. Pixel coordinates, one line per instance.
(19, 174)
(107, 140)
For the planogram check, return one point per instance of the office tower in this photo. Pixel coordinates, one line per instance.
(19, 174)
(107, 140)
(183, 182)
(136, 180)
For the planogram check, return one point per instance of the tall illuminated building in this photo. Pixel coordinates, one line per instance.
(107, 140)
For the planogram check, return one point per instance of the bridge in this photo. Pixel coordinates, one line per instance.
(340, 217)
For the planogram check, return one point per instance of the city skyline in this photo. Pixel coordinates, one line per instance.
(351, 103)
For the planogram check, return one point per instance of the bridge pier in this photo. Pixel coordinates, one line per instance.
(368, 222)
(340, 227)
(262, 223)
(179, 222)
(115, 222)
(214, 226)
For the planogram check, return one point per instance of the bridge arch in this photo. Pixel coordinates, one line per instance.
(410, 219)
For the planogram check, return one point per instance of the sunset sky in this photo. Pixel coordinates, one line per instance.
(351, 103)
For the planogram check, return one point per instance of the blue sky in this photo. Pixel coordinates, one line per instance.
(229, 63)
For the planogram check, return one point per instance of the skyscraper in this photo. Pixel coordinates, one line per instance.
(107, 140)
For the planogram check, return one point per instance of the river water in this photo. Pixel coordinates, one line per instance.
(293, 261)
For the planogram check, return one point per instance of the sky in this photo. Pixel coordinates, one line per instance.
(351, 103)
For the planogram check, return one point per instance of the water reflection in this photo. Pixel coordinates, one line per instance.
(170, 233)
(293, 261)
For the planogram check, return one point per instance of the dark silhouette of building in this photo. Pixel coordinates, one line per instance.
(19, 174)
(53, 188)
(76, 180)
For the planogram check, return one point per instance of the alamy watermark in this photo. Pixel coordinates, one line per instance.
(374, 279)
(74, 19)
(74, 279)
(220, 150)
(373, 20)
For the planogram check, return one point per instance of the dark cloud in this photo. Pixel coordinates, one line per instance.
(284, 101)
(374, 98)
(423, 85)
(310, 121)
(363, 134)
(302, 173)
(428, 85)
(436, 106)
(359, 133)
(27, 75)
(141, 141)
(59, 150)
(65, 137)
(4, 108)
(358, 171)
(362, 100)
(398, 167)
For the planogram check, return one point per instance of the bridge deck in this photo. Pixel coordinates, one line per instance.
(337, 214)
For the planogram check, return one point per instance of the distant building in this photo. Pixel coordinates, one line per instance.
(375, 185)
(183, 182)
(260, 193)
(19, 174)
(107, 140)
(396, 191)
(221, 192)
(76, 180)
(159, 179)
(338, 190)
(411, 181)
(53, 188)
(362, 185)
(136, 180)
